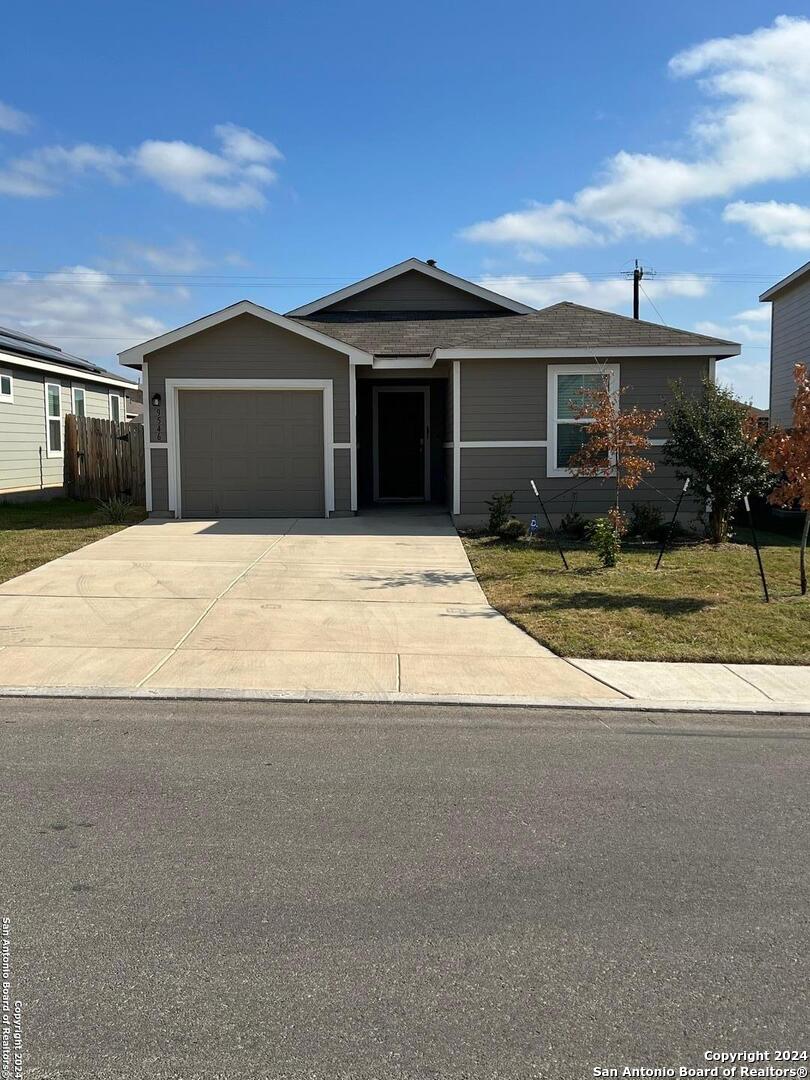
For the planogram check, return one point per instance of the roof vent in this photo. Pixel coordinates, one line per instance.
(430, 262)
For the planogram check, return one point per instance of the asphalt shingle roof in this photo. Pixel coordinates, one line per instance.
(563, 325)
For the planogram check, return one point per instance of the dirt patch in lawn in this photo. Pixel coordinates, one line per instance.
(34, 533)
(704, 604)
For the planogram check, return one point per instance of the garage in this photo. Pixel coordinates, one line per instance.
(251, 453)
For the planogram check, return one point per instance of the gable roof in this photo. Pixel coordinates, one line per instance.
(135, 356)
(31, 352)
(563, 326)
(408, 266)
(786, 282)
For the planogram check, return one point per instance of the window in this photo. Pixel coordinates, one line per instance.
(6, 386)
(53, 419)
(116, 409)
(568, 385)
(78, 401)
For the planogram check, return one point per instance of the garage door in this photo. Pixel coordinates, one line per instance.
(251, 453)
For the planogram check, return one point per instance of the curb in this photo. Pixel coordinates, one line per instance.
(773, 708)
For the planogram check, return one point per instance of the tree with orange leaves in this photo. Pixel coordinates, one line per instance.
(615, 443)
(788, 453)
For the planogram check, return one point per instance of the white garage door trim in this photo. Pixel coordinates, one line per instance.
(173, 388)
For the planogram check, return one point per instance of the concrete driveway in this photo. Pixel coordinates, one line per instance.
(377, 603)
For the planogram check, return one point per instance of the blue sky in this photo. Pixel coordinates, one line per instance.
(158, 161)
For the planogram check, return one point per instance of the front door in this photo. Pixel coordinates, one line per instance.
(401, 438)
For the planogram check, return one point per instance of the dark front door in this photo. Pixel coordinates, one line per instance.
(400, 444)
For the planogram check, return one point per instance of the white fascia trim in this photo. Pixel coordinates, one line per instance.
(68, 372)
(134, 357)
(611, 370)
(503, 444)
(402, 268)
(770, 294)
(384, 363)
(147, 442)
(456, 369)
(173, 388)
(462, 353)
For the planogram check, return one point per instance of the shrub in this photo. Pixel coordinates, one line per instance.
(116, 509)
(646, 521)
(500, 510)
(512, 529)
(606, 541)
(574, 525)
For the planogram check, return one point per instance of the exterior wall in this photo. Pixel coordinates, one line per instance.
(25, 468)
(790, 344)
(246, 348)
(506, 401)
(414, 292)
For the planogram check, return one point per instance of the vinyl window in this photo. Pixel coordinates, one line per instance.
(116, 408)
(6, 385)
(78, 401)
(53, 419)
(568, 387)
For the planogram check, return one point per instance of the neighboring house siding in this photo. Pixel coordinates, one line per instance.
(790, 345)
(506, 401)
(96, 402)
(22, 434)
(413, 291)
(247, 348)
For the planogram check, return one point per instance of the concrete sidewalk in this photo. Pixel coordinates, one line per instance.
(379, 607)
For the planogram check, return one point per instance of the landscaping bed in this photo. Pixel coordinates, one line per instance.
(704, 604)
(34, 533)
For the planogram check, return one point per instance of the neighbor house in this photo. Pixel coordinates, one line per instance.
(790, 339)
(412, 385)
(39, 386)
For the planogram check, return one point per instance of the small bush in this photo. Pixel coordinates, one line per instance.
(512, 529)
(646, 521)
(500, 510)
(574, 525)
(115, 510)
(606, 541)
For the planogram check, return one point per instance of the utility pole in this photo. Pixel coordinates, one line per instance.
(638, 274)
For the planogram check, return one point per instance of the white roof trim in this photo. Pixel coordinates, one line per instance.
(592, 353)
(75, 373)
(134, 357)
(771, 293)
(403, 268)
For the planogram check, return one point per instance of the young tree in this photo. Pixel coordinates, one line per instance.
(789, 454)
(615, 443)
(714, 442)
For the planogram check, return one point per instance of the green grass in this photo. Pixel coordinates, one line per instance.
(703, 604)
(34, 533)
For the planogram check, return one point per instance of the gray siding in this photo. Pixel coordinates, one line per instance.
(790, 344)
(343, 493)
(24, 462)
(413, 291)
(160, 480)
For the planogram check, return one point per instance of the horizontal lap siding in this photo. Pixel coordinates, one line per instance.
(790, 345)
(343, 494)
(160, 480)
(22, 433)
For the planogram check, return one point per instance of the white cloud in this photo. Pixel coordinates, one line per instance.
(612, 294)
(778, 224)
(15, 121)
(741, 331)
(756, 314)
(234, 178)
(182, 257)
(80, 309)
(757, 129)
(749, 379)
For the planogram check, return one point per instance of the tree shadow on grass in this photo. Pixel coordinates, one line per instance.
(592, 600)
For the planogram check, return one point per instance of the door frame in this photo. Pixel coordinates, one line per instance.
(173, 388)
(424, 390)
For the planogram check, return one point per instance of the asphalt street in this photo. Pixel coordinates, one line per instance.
(244, 890)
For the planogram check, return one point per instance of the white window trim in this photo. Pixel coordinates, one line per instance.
(172, 395)
(82, 391)
(122, 416)
(9, 397)
(611, 370)
(48, 451)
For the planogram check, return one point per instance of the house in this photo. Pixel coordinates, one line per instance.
(134, 405)
(790, 339)
(412, 385)
(39, 385)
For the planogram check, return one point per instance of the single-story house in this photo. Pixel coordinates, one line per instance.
(790, 339)
(39, 385)
(412, 385)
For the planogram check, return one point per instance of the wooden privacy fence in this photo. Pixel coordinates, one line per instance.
(103, 459)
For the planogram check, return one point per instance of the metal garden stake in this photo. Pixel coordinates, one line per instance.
(756, 548)
(668, 536)
(548, 519)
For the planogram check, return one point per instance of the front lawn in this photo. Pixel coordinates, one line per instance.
(703, 604)
(34, 533)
